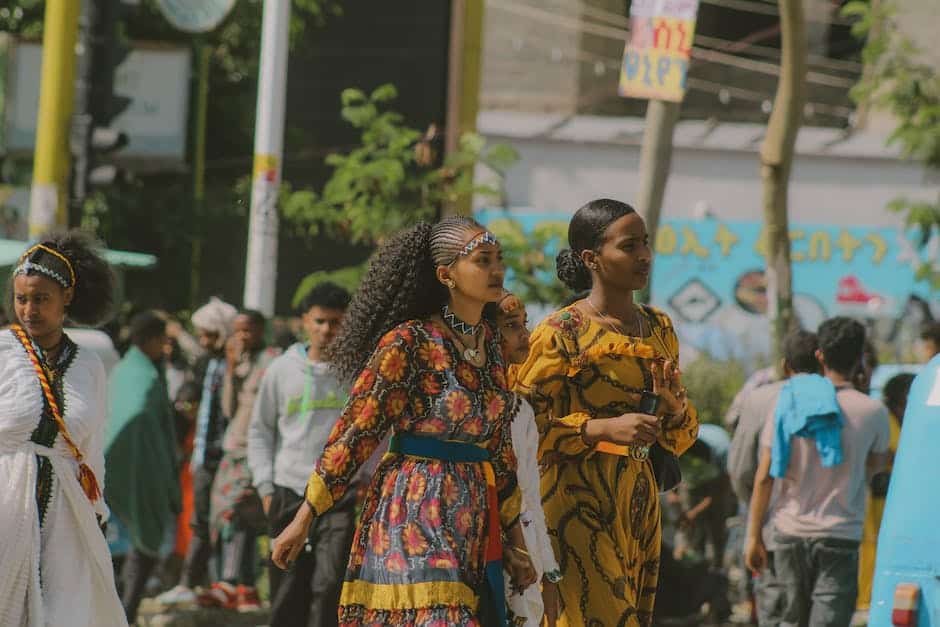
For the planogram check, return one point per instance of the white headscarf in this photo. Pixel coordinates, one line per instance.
(216, 316)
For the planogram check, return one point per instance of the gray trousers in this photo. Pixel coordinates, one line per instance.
(819, 577)
(769, 597)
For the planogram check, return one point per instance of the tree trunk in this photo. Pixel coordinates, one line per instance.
(776, 162)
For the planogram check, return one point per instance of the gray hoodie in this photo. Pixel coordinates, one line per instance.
(297, 405)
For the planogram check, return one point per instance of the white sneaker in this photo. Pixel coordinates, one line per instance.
(180, 595)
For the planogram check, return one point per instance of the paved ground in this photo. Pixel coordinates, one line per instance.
(153, 615)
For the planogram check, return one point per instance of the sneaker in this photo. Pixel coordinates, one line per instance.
(220, 594)
(180, 595)
(247, 600)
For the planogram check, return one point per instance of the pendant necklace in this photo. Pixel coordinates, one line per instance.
(471, 354)
(459, 327)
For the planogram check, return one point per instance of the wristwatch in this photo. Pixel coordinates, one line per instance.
(553, 576)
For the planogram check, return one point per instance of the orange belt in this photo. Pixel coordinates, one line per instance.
(638, 453)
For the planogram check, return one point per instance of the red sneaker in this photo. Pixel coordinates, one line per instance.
(220, 594)
(247, 600)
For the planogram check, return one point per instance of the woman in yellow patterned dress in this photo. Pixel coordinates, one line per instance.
(588, 368)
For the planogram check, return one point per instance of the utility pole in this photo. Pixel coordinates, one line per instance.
(48, 196)
(776, 155)
(655, 163)
(261, 268)
(661, 36)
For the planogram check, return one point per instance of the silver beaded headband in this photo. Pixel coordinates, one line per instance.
(483, 237)
(28, 266)
(38, 259)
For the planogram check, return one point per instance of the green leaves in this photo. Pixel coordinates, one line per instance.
(530, 258)
(348, 278)
(895, 80)
(394, 178)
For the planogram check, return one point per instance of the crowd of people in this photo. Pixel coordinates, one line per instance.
(420, 458)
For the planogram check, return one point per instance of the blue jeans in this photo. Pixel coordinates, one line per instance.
(819, 577)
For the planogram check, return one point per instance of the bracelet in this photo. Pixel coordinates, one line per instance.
(553, 576)
(520, 551)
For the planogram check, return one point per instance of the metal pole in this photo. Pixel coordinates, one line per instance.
(655, 161)
(202, 57)
(261, 268)
(48, 195)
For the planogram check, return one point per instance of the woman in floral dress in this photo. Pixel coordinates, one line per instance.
(428, 547)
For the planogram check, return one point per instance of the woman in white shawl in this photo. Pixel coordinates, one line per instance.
(55, 568)
(530, 606)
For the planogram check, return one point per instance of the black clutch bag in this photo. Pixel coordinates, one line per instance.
(665, 468)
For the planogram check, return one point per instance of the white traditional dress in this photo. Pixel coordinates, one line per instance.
(527, 608)
(59, 571)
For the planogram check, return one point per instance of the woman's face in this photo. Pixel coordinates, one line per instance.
(624, 259)
(514, 335)
(479, 275)
(40, 304)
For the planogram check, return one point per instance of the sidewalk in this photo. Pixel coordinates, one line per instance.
(152, 614)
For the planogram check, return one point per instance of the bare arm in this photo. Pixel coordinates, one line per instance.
(755, 553)
(877, 462)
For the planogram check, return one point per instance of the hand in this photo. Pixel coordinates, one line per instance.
(519, 566)
(552, 602)
(667, 383)
(629, 429)
(755, 555)
(234, 349)
(687, 519)
(288, 545)
(173, 329)
(266, 504)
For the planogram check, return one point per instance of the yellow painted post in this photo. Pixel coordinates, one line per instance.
(48, 199)
(463, 88)
(472, 63)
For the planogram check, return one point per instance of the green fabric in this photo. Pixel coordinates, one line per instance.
(141, 467)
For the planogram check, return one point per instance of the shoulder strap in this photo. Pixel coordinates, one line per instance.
(85, 475)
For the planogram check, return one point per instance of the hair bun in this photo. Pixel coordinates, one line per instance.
(572, 271)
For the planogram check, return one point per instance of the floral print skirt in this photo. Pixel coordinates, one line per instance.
(418, 556)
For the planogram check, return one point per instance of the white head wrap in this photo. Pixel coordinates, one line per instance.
(216, 316)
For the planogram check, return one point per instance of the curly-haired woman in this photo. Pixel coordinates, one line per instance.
(53, 405)
(428, 547)
(596, 372)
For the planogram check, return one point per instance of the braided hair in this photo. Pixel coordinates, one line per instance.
(586, 232)
(400, 284)
(93, 301)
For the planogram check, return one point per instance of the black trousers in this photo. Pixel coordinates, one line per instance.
(135, 573)
(308, 594)
(196, 567)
